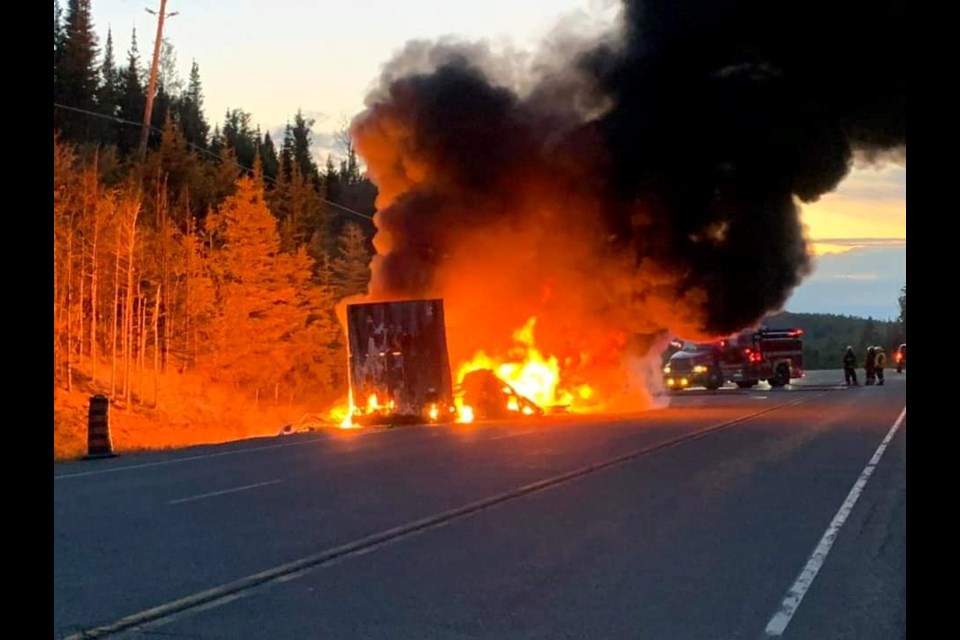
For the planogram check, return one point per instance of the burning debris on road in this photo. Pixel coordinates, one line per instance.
(621, 187)
(490, 398)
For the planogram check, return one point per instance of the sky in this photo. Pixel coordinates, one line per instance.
(272, 58)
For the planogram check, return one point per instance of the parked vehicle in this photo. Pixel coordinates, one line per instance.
(696, 364)
(744, 359)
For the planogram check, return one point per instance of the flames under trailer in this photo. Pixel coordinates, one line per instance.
(399, 365)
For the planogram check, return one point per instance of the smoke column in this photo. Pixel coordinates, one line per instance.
(625, 185)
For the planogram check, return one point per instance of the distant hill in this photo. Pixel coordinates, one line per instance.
(826, 336)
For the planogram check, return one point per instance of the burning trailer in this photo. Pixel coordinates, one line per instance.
(399, 366)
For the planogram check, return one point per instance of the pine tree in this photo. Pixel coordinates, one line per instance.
(132, 98)
(350, 167)
(239, 137)
(108, 102)
(109, 79)
(189, 109)
(223, 175)
(76, 78)
(258, 289)
(352, 266)
(173, 162)
(318, 356)
(216, 141)
(298, 141)
(57, 46)
(268, 156)
(160, 113)
(331, 182)
(298, 208)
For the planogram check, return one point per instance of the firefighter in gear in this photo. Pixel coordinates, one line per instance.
(880, 360)
(869, 365)
(850, 366)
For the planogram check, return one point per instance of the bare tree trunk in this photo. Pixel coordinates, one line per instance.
(125, 342)
(185, 310)
(116, 306)
(84, 210)
(156, 344)
(80, 324)
(56, 306)
(141, 339)
(128, 333)
(94, 300)
(162, 205)
(69, 305)
(59, 299)
(189, 342)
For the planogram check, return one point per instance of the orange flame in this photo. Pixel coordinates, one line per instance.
(464, 413)
(528, 371)
(342, 414)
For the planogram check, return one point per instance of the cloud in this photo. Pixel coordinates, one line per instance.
(834, 246)
(863, 281)
(857, 276)
(869, 207)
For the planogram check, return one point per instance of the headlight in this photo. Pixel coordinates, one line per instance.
(699, 369)
(666, 369)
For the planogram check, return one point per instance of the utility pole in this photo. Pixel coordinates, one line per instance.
(152, 88)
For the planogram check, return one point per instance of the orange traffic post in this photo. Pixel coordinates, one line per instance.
(98, 429)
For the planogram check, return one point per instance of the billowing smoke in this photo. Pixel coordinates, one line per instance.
(625, 185)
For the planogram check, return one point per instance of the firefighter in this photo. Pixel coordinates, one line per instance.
(869, 365)
(850, 367)
(878, 363)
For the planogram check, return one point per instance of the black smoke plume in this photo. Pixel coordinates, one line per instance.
(646, 176)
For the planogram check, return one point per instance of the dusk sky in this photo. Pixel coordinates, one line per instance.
(271, 58)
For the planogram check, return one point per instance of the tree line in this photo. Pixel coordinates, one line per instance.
(141, 285)
(219, 250)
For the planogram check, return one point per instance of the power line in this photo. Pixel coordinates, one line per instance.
(200, 149)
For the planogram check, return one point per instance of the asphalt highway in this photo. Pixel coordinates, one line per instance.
(729, 514)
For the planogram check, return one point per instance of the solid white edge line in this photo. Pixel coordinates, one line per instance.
(778, 623)
(223, 492)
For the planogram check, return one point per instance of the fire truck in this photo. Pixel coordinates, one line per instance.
(774, 355)
(743, 359)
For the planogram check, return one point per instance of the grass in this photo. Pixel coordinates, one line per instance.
(188, 410)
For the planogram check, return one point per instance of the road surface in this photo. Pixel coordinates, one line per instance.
(728, 514)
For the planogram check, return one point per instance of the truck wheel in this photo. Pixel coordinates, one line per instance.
(781, 378)
(746, 384)
(713, 380)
